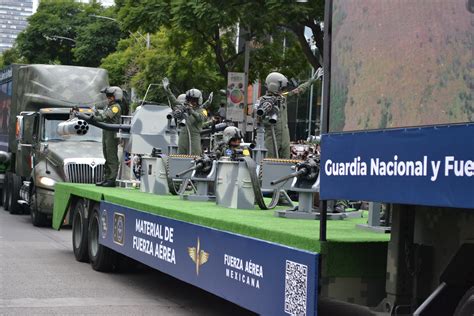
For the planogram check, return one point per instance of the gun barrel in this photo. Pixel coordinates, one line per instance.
(72, 127)
(199, 165)
(298, 173)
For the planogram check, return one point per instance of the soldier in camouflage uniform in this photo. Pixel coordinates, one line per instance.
(276, 84)
(111, 114)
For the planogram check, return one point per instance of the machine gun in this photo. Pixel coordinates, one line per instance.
(180, 114)
(202, 166)
(306, 172)
(125, 128)
(73, 126)
(268, 107)
(204, 173)
(306, 183)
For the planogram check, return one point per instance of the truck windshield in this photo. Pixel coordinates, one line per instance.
(50, 126)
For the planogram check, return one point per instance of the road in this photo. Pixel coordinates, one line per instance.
(39, 275)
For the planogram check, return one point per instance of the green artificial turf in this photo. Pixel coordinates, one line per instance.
(353, 251)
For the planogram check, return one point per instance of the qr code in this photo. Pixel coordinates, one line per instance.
(296, 289)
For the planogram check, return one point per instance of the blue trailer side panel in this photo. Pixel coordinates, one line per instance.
(264, 277)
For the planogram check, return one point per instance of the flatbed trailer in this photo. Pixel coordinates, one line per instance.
(266, 264)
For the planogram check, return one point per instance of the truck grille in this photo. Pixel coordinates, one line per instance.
(84, 173)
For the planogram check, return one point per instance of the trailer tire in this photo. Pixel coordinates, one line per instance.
(80, 229)
(13, 206)
(466, 304)
(38, 219)
(6, 190)
(101, 258)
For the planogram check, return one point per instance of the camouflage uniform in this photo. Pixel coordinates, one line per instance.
(282, 132)
(194, 122)
(111, 114)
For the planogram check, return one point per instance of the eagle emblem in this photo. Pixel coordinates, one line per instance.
(198, 255)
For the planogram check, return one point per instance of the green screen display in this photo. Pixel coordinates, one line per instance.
(400, 63)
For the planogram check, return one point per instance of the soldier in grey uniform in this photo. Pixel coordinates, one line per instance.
(276, 85)
(111, 114)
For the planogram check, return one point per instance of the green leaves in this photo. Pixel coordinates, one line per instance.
(65, 32)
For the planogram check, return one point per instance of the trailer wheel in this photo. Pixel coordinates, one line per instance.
(6, 190)
(466, 304)
(101, 258)
(80, 230)
(14, 195)
(37, 218)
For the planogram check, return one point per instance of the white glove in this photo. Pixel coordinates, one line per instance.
(166, 83)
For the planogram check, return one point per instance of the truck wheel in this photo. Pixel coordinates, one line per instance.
(37, 218)
(466, 304)
(80, 230)
(6, 190)
(101, 258)
(15, 185)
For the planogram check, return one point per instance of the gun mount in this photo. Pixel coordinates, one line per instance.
(203, 173)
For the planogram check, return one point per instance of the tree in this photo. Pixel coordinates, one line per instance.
(297, 16)
(65, 32)
(10, 56)
(213, 22)
(186, 67)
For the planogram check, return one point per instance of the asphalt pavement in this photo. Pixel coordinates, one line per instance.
(39, 276)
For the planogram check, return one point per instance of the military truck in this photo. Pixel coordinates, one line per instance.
(34, 99)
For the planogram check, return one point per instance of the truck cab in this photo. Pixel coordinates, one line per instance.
(36, 99)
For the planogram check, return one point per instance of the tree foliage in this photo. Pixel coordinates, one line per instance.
(186, 67)
(213, 23)
(65, 32)
(10, 56)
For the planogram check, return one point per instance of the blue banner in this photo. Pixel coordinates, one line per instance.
(264, 277)
(424, 166)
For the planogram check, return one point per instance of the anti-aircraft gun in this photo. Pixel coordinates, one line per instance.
(305, 181)
(267, 109)
(203, 173)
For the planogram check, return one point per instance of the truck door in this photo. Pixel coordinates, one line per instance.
(26, 129)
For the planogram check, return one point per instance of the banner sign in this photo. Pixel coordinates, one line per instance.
(267, 278)
(424, 166)
(235, 96)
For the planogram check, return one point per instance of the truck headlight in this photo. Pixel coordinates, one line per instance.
(47, 181)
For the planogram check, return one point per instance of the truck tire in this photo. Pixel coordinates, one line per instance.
(79, 230)
(102, 258)
(6, 190)
(466, 304)
(15, 185)
(38, 219)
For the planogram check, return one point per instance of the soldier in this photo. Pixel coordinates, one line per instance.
(181, 99)
(189, 141)
(111, 114)
(230, 145)
(276, 85)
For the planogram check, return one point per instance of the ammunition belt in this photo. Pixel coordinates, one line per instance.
(183, 156)
(292, 161)
(252, 168)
